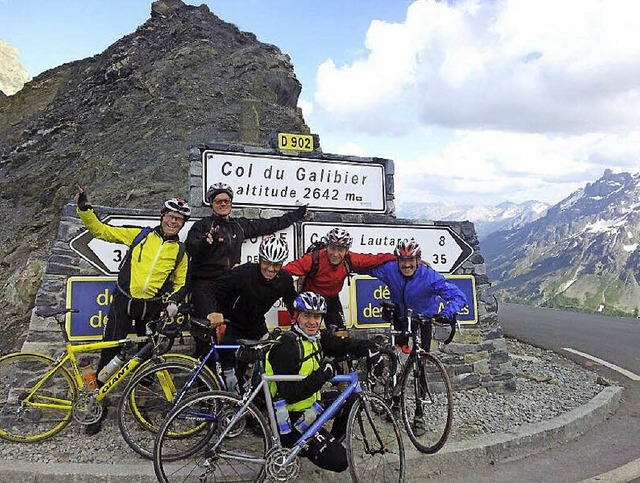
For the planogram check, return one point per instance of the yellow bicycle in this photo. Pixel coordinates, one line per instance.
(39, 394)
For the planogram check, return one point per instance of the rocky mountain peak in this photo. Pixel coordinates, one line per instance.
(122, 122)
(12, 75)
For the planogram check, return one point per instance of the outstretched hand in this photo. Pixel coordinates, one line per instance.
(81, 198)
(302, 212)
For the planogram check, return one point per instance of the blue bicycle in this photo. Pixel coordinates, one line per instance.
(232, 440)
(152, 393)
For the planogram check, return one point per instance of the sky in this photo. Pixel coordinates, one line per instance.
(475, 101)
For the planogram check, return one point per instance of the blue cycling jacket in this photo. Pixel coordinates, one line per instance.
(423, 292)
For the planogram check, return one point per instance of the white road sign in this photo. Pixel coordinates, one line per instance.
(287, 182)
(106, 256)
(441, 247)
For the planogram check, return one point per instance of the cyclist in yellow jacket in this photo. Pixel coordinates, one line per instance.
(151, 276)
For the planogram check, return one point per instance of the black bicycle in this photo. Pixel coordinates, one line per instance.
(413, 381)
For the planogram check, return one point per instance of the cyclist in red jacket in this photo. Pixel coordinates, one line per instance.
(332, 267)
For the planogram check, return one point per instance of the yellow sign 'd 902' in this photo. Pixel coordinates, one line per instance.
(295, 142)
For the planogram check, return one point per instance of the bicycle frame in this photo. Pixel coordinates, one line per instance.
(69, 356)
(213, 351)
(352, 387)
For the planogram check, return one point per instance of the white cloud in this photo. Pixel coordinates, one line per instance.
(306, 106)
(539, 96)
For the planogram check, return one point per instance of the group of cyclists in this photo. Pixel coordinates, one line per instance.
(155, 276)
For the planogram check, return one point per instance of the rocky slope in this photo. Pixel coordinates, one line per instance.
(122, 122)
(582, 255)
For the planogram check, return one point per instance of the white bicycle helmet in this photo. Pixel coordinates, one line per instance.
(217, 188)
(339, 237)
(179, 205)
(273, 250)
(310, 302)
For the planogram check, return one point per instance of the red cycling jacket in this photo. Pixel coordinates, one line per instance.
(330, 278)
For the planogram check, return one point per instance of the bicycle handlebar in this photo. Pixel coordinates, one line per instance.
(388, 309)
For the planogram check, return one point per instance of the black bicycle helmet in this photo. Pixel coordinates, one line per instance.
(218, 188)
(179, 205)
(273, 250)
(310, 302)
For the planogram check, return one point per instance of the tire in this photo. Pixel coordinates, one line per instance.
(20, 420)
(148, 399)
(239, 456)
(427, 402)
(375, 450)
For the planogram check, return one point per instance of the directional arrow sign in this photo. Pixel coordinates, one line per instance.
(441, 247)
(107, 256)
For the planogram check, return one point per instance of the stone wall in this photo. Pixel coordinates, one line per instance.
(476, 357)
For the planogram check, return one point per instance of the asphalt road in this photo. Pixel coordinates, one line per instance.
(608, 453)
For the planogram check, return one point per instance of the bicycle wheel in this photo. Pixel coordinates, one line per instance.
(374, 444)
(150, 396)
(427, 402)
(238, 455)
(27, 416)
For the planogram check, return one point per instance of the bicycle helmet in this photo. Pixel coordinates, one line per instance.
(218, 188)
(310, 302)
(339, 237)
(179, 205)
(273, 250)
(407, 249)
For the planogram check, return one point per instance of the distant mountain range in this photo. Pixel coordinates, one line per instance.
(486, 218)
(582, 254)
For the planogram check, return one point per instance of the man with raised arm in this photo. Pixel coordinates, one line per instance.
(214, 244)
(151, 276)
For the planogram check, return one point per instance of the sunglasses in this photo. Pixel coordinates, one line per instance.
(177, 218)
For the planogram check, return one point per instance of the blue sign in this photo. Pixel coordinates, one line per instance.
(92, 297)
(369, 292)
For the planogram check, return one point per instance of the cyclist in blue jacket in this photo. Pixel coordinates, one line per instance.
(417, 286)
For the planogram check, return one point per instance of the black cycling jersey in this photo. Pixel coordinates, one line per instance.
(249, 296)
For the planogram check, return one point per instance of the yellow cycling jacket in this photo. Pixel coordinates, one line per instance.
(150, 265)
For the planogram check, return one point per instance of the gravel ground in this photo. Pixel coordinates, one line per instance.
(547, 385)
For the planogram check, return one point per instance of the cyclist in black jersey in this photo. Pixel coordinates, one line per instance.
(252, 289)
(214, 244)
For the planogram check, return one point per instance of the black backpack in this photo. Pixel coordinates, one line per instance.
(314, 249)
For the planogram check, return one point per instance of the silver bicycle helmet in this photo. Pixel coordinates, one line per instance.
(273, 250)
(310, 302)
(339, 237)
(218, 188)
(179, 205)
